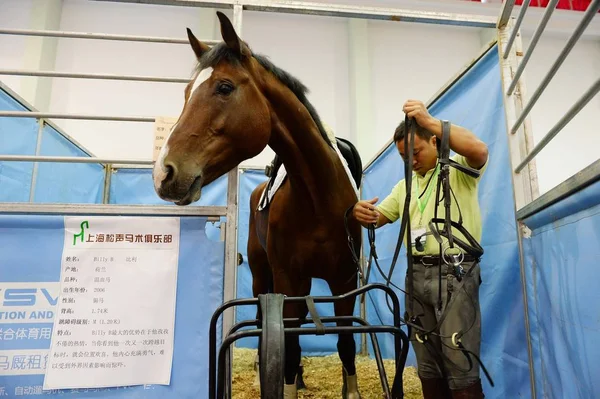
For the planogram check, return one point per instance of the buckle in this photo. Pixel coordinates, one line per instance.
(423, 260)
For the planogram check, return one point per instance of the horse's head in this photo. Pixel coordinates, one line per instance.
(225, 120)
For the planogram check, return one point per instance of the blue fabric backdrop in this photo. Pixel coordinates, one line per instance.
(561, 265)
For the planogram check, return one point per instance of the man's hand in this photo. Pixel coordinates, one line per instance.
(417, 110)
(365, 212)
(462, 140)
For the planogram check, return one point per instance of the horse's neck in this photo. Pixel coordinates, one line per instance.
(309, 161)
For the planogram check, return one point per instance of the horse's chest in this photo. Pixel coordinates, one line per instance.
(306, 247)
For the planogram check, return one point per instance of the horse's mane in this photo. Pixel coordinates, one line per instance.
(221, 52)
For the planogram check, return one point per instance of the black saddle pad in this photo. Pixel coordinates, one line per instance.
(352, 156)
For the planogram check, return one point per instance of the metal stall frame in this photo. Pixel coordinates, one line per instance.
(518, 123)
(512, 64)
(231, 210)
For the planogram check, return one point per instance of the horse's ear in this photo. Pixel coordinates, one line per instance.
(230, 37)
(198, 47)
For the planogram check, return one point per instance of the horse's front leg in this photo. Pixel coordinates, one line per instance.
(258, 261)
(346, 345)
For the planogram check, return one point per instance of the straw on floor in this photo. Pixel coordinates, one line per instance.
(323, 377)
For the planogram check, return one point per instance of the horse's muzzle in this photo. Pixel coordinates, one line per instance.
(179, 189)
(193, 194)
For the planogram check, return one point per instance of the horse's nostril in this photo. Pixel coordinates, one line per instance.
(170, 172)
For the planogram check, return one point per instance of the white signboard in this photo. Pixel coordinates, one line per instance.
(115, 315)
(162, 129)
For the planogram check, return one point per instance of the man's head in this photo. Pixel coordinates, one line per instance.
(425, 152)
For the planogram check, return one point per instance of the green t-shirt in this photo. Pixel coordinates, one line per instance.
(422, 210)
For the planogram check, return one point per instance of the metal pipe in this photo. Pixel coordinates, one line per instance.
(53, 74)
(107, 181)
(337, 10)
(589, 14)
(32, 158)
(38, 147)
(98, 36)
(231, 225)
(50, 115)
(25, 208)
(521, 183)
(587, 96)
(505, 14)
(515, 30)
(534, 40)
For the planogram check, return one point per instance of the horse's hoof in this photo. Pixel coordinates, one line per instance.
(290, 391)
(256, 382)
(350, 387)
(299, 380)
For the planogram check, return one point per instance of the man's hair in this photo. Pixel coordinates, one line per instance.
(424, 134)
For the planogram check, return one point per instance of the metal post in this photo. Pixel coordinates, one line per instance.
(574, 110)
(522, 189)
(38, 147)
(516, 27)
(589, 14)
(107, 181)
(363, 302)
(231, 234)
(534, 40)
(505, 14)
(528, 140)
(230, 272)
(513, 104)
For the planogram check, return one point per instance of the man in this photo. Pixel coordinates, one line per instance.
(442, 367)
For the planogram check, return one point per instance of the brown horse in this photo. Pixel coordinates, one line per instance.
(236, 105)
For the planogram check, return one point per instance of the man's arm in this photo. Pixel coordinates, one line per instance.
(462, 140)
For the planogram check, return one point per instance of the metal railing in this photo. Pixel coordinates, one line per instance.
(520, 137)
(579, 104)
(583, 24)
(34, 158)
(571, 113)
(516, 27)
(534, 41)
(53, 74)
(87, 117)
(98, 36)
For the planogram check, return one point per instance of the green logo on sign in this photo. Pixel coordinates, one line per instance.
(82, 232)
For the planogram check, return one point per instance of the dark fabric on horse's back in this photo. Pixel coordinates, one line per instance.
(352, 156)
(349, 152)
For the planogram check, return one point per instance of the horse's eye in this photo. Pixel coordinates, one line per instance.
(225, 88)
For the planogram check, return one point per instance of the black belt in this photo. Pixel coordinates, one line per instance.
(434, 260)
